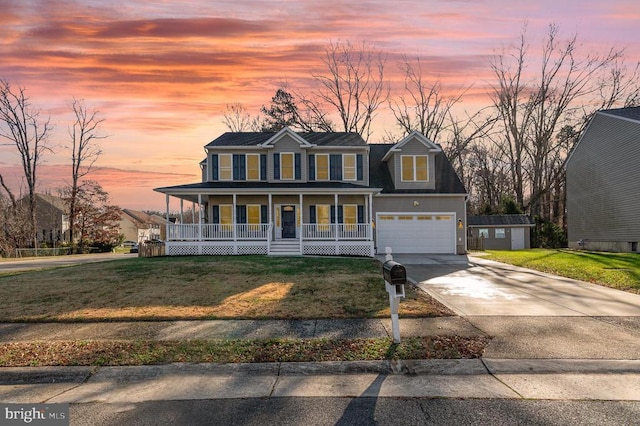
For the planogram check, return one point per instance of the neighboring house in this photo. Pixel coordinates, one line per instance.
(52, 220)
(500, 232)
(140, 226)
(603, 183)
(321, 194)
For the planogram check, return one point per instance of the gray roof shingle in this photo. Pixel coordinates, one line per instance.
(316, 138)
(500, 220)
(632, 113)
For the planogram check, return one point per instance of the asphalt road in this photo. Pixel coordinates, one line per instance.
(358, 411)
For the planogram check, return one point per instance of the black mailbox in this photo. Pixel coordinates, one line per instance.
(394, 272)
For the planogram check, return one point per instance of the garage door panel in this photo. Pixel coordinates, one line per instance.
(416, 233)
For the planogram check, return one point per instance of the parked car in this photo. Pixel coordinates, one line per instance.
(133, 249)
(129, 243)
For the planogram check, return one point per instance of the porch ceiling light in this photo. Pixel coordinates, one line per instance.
(416, 203)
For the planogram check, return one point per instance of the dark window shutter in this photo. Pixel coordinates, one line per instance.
(312, 214)
(340, 214)
(215, 214)
(359, 165)
(241, 214)
(276, 165)
(335, 166)
(298, 166)
(236, 167)
(333, 214)
(263, 167)
(239, 167)
(361, 214)
(264, 214)
(312, 167)
(214, 167)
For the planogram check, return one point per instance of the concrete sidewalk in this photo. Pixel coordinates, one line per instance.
(485, 379)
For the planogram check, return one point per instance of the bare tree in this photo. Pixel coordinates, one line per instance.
(532, 106)
(84, 153)
(23, 127)
(354, 87)
(237, 119)
(424, 109)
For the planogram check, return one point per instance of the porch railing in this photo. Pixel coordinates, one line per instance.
(209, 231)
(339, 231)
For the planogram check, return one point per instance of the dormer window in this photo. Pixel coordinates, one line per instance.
(414, 168)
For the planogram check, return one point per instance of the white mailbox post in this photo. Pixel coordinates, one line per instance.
(395, 277)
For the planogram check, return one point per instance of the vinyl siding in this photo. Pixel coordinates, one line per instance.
(603, 182)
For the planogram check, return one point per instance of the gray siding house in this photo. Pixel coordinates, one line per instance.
(603, 183)
(320, 194)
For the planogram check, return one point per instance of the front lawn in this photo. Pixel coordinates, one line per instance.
(617, 270)
(230, 287)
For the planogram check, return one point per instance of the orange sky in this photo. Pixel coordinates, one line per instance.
(162, 72)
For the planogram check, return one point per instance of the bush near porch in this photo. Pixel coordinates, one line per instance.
(226, 287)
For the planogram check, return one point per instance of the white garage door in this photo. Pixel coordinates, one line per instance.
(416, 233)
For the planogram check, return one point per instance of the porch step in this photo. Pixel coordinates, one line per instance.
(285, 248)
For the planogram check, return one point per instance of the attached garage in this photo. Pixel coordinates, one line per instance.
(416, 233)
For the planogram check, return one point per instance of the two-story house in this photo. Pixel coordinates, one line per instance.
(320, 194)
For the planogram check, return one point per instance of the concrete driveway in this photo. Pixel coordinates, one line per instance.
(472, 286)
(529, 314)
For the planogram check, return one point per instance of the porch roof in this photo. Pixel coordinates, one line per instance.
(191, 191)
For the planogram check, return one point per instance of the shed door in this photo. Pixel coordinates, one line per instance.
(517, 238)
(416, 233)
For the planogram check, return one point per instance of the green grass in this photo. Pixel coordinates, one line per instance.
(206, 287)
(616, 270)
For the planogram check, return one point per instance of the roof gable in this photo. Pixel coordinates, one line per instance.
(284, 133)
(417, 136)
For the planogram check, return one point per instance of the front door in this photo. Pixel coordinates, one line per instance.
(288, 222)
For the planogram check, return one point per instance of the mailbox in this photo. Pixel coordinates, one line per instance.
(394, 273)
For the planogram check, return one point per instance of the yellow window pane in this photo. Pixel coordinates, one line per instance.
(253, 214)
(407, 167)
(424, 217)
(253, 167)
(350, 214)
(443, 218)
(323, 214)
(286, 166)
(421, 168)
(322, 167)
(226, 215)
(349, 166)
(386, 217)
(405, 217)
(225, 161)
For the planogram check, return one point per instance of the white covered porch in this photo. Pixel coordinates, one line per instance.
(286, 229)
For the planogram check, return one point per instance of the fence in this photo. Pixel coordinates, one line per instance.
(151, 249)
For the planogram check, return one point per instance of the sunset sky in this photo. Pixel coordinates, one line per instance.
(162, 72)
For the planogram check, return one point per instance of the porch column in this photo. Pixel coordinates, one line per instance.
(167, 222)
(301, 221)
(199, 217)
(193, 208)
(370, 217)
(234, 218)
(270, 217)
(181, 210)
(335, 225)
